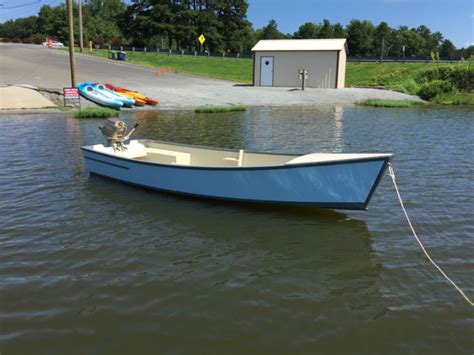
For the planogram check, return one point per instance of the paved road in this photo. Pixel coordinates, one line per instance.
(38, 66)
(42, 67)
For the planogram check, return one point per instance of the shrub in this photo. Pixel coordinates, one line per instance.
(116, 41)
(397, 87)
(217, 109)
(436, 73)
(410, 86)
(38, 38)
(389, 103)
(96, 112)
(433, 88)
(461, 76)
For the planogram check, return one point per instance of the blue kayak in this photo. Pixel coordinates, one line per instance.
(126, 101)
(89, 91)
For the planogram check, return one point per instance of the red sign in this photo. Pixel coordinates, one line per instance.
(71, 93)
(71, 97)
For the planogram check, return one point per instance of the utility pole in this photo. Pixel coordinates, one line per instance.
(81, 39)
(381, 54)
(72, 60)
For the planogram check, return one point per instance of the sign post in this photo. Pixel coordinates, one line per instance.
(303, 76)
(71, 97)
(201, 40)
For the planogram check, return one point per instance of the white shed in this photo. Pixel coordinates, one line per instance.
(278, 62)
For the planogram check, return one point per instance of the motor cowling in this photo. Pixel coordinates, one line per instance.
(115, 130)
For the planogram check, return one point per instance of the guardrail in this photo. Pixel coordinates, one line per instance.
(250, 56)
(401, 60)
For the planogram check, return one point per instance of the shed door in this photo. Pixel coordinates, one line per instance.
(266, 71)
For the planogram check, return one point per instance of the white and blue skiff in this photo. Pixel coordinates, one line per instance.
(329, 180)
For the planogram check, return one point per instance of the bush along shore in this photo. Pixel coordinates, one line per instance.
(96, 112)
(390, 103)
(434, 82)
(218, 109)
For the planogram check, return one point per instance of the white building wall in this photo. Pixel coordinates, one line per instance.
(321, 66)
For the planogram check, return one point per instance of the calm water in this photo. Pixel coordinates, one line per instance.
(90, 266)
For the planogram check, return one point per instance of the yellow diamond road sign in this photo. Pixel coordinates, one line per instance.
(201, 39)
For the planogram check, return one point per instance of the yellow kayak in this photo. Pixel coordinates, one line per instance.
(139, 101)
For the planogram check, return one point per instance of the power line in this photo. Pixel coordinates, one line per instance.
(21, 5)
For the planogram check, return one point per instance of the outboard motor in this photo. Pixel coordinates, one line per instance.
(115, 130)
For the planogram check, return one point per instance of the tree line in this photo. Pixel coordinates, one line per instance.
(177, 24)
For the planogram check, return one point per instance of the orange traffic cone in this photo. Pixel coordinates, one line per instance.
(169, 70)
(162, 70)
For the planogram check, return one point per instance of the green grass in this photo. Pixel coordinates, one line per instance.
(216, 109)
(233, 69)
(93, 112)
(389, 103)
(457, 99)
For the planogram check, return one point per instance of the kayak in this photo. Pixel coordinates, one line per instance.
(89, 91)
(133, 94)
(130, 95)
(126, 101)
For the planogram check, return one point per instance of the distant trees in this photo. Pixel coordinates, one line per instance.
(176, 24)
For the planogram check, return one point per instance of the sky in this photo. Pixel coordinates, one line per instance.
(453, 18)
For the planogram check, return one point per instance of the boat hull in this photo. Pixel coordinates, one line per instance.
(337, 185)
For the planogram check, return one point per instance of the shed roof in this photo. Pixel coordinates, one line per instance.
(333, 44)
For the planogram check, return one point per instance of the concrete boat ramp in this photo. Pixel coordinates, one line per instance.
(23, 97)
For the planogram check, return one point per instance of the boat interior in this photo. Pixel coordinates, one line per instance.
(176, 154)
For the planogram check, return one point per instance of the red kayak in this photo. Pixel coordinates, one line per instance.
(148, 100)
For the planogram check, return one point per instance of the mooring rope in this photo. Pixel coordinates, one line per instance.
(391, 173)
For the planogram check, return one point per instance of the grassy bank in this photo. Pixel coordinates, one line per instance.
(93, 112)
(218, 109)
(390, 103)
(410, 78)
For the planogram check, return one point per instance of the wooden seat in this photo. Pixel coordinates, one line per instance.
(181, 157)
(239, 160)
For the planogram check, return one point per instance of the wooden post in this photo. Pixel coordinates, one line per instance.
(81, 36)
(72, 59)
